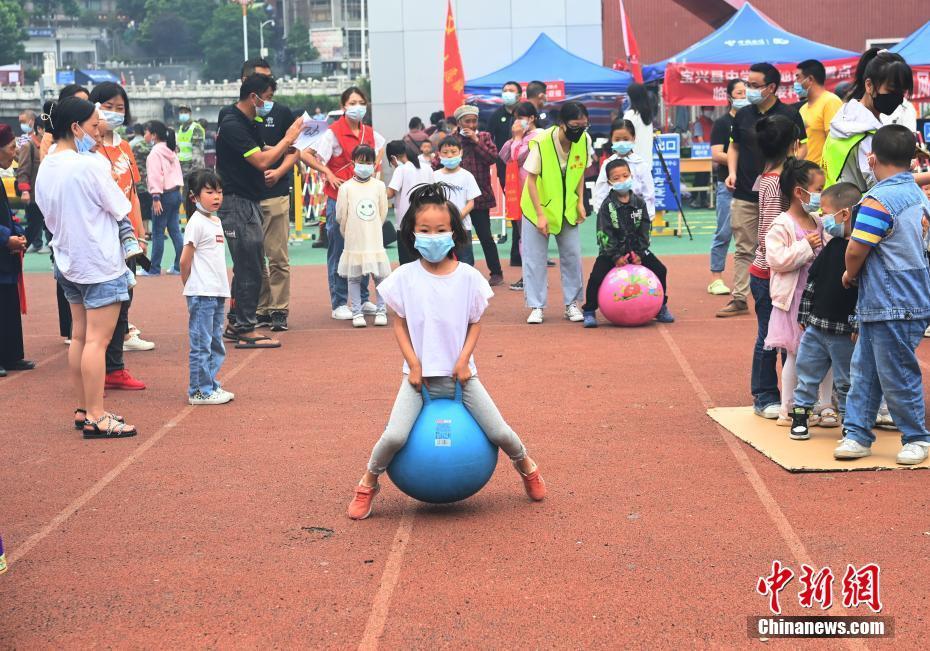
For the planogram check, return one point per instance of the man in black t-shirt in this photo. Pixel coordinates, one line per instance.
(242, 160)
(719, 143)
(744, 164)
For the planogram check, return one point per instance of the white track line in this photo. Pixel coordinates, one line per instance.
(382, 601)
(788, 534)
(12, 376)
(91, 492)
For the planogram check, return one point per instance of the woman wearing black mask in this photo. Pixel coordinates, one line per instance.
(883, 79)
(553, 204)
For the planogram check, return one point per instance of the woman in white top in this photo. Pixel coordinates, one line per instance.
(641, 113)
(409, 172)
(82, 205)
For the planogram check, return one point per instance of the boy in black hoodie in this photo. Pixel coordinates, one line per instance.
(623, 228)
(827, 312)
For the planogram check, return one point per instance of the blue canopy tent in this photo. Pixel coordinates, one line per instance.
(546, 60)
(600, 89)
(916, 48)
(749, 37)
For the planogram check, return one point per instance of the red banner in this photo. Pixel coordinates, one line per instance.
(453, 77)
(555, 90)
(705, 84)
(630, 46)
(513, 191)
(921, 84)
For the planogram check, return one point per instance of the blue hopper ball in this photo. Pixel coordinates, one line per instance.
(447, 456)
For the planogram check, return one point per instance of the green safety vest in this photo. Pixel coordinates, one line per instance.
(185, 141)
(836, 153)
(558, 189)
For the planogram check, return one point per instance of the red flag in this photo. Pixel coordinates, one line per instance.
(629, 44)
(453, 78)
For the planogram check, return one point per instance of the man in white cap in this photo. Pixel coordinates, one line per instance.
(479, 155)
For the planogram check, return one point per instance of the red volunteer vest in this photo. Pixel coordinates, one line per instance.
(342, 165)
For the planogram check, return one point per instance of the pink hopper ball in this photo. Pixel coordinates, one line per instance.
(630, 295)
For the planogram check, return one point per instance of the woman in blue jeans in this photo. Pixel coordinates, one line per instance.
(165, 180)
(719, 142)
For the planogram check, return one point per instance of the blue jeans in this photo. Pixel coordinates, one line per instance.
(169, 218)
(338, 286)
(205, 323)
(724, 233)
(885, 360)
(764, 382)
(818, 353)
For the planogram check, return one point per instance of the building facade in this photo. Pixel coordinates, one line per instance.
(407, 38)
(338, 30)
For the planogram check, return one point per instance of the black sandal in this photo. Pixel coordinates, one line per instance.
(79, 422)
(115, 430)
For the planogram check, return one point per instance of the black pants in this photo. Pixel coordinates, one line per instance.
(114, 354)
(64, 312)
(516, 260)
(145, 206)
(481, 222)
(242, 225)
(11, 326)
(603, 265)
(35, 225)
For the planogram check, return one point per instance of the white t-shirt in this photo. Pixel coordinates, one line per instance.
(644, 135)
(208, 268)
(438, 311)
(82, 204)
(405, 178)
(464, 188)
(328, 146)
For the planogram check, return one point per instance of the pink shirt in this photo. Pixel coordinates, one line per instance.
(517, 150)
(164, 169)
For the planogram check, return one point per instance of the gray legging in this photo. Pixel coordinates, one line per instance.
(407, 407)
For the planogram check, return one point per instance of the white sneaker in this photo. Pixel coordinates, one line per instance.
(850, 449)
(224, 392)
(381, 319)
(133, 330)
(215, 398)
(927, 332)
(771, 412)
(67, 342)
(358, 321)
(342, 313)
(135, 342)
(536, 315)
(913, 453)
(369, 308)
(572, 313)
(884, 419)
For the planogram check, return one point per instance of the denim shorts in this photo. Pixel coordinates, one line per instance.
(95, 295)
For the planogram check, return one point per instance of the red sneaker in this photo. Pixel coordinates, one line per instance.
(534, 485)
(360, 508)
(122, 380)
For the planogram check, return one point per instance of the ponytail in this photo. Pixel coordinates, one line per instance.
(163, 134)
(171, 140)
(797, 172)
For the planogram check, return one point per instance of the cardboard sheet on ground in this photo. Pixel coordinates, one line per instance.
(813, 455)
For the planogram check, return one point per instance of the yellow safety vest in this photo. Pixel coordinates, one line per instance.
(557, 188)
(185, 141)
(836, 153)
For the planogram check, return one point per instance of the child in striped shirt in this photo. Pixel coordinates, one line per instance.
(886, 258)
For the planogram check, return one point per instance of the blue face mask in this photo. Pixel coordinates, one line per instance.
(202, 209)
(799, 90)
(509, 97)
(264, 109)
(85, 143)
(622, 147)
(754, 95)
(623, 186)
(451, 163)
(740, 102)
(364, 170)
(357, 112)
(184, 117)
(112, 118)
(814, 204)
(25, 127)
(433, 248)
(831, 226)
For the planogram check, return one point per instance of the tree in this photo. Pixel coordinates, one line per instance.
(12, 31)
(173, 28)
(222, 41)
(298, 47)
(50, 9)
